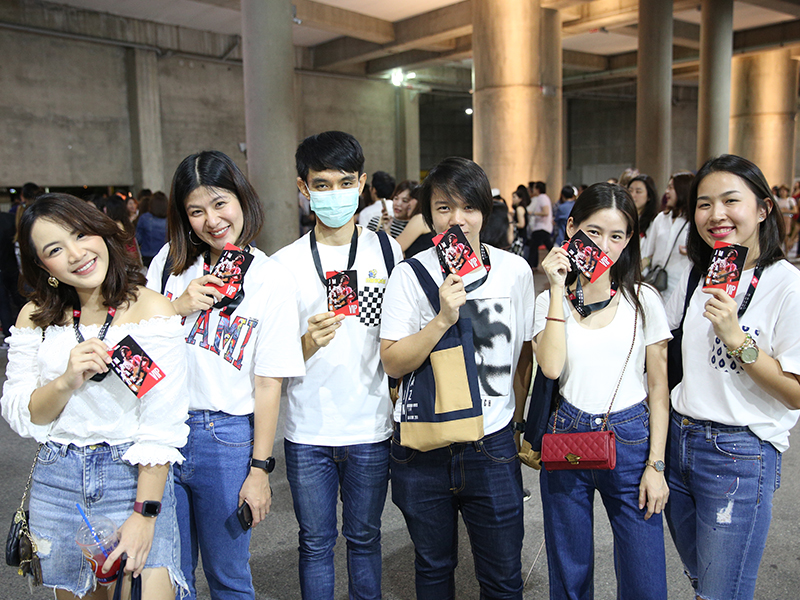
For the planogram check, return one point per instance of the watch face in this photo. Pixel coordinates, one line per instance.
(749, 355)
(660, 466)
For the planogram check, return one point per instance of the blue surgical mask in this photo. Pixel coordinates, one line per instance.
(335, 207)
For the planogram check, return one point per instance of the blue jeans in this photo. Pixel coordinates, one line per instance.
(317, 476)
(482, 480)
(567, 504)
(207, 488)
(721, 482)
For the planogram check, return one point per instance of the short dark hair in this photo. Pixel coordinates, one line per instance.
(627, 270)
(158, 205)
(771, 230)
(460, 178)
(31, 191)
(123, 276)
(117, 210)
(210, 169)
(541, 186)
(406, 184)
(335, 150)
(567, 192)
(650, 209)
(383, 184)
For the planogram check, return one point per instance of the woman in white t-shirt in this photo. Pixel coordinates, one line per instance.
(239, 347)
(665, 244)
(741, 383)
(597, 343)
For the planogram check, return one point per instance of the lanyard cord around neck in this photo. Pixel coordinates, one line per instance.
(750, 290)
(488, 265)
(351, 260)
(76, 321)
(585, 310)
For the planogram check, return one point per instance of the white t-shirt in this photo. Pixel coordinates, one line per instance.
(374, 210)
(225, 354)
(502, 319)
(715, 386)
(344, 397)
(662, 246)
(540, 203)
(786, 205)
(595, 357)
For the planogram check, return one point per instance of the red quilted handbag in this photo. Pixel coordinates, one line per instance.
(587, 449)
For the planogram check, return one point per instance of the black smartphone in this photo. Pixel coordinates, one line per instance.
(245, 516)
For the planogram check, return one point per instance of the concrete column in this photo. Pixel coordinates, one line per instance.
(550, 162)
(268, 68)
(144, 108)
(714, 104)
(407, 161)
(763, 111)
(654, 91)
(508, 137)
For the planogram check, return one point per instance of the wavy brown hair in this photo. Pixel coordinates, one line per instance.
(53, 305)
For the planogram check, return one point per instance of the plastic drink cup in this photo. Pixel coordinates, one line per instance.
(104, 530)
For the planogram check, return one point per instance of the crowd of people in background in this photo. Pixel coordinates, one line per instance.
(185, 467)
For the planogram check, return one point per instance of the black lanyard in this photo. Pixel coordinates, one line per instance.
(751, 290)
(488, 265)
(76, 321)
(315, 253)
(585, 310)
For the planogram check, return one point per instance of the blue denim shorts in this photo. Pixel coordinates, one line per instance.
(99, 480)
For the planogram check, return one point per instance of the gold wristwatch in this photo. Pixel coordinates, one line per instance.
(747, 353)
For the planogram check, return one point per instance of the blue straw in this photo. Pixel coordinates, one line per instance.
(92, 531)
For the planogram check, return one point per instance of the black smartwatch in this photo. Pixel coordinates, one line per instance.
(148, 508)
(268, 465)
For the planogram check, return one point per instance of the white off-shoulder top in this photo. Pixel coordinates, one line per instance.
(104, 411)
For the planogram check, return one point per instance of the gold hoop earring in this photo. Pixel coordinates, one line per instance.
(52, 281)
(197, 243)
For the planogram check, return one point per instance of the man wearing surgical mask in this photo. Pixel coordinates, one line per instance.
(338, 419)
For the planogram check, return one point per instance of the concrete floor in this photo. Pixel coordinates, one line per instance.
(274, 543)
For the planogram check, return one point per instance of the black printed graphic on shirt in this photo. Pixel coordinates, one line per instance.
(492, 337)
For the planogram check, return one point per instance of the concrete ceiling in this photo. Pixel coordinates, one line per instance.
(373, 37)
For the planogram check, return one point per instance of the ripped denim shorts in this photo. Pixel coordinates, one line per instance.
(99, 480)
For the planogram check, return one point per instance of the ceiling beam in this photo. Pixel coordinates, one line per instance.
(683, 33)
(344, 22)
(583, 61)
(789, 7)
(434, 30)
(759, 38)
(611, 13)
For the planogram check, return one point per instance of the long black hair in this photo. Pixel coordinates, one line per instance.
(771, 230)
(650, 209)
(626, 271)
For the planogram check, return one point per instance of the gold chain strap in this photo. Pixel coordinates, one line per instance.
(630, 351)
(30, 479)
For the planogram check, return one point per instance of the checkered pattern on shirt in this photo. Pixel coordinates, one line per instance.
(370, 299)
